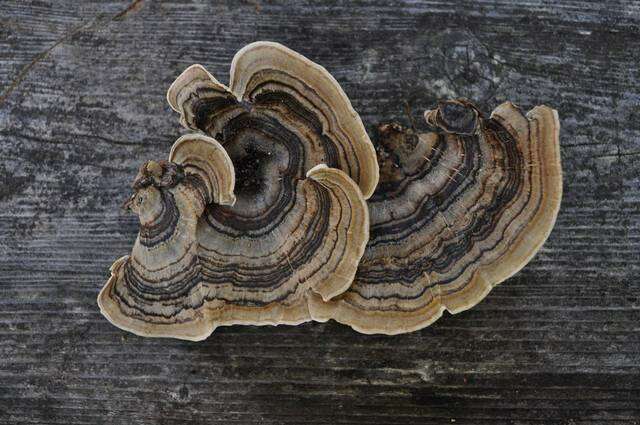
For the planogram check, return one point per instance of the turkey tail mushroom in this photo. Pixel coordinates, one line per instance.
(202, 261)
(464, 209)
(156, 291)
(268, 260)
(258, 230)
(274, 89)
(304, 166)
(202, 156)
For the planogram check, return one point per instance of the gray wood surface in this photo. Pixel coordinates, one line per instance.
(82, 104)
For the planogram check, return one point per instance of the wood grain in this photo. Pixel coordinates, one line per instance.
(82, 103)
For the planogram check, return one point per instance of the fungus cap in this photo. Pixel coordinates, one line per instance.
(190, 272)
(468, 207)
(271, 82)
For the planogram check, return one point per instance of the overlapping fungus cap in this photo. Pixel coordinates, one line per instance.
(456, 212)
(304, 165)
(284, 108)
(169, 285)
(302, 161)
(157, 290)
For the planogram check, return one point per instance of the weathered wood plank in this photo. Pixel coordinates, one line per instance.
(82, 103)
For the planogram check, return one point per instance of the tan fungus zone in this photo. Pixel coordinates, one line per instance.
(203, 156)
(326, 275)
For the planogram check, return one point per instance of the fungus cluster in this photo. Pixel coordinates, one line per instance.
(279, 210)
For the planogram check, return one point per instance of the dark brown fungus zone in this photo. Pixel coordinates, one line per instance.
(301, 162)
(456, 212)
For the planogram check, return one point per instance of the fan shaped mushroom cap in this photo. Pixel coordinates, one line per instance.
(159, 281)
(468, 208)
(191, 271)
(201, 155)
(267, 265)
(271, 83)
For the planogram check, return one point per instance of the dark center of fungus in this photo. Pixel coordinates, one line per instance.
(250, 170)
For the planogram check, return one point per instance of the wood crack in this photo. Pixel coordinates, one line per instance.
(134, 7)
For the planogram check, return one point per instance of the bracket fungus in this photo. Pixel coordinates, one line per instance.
(300, 160)
(458, 212)
(263, 218)
(280, 109)
(188, 274)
